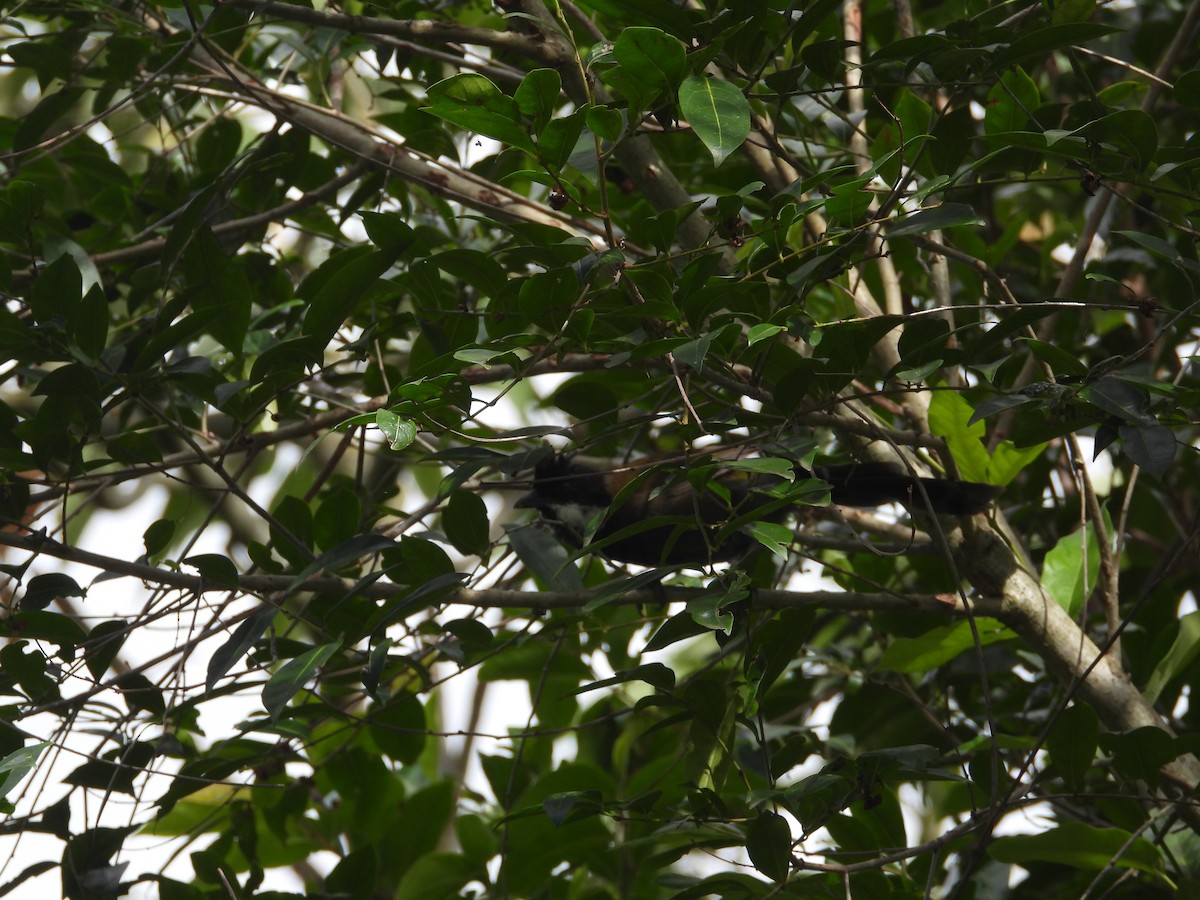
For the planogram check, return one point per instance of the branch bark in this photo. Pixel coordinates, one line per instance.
(531, 45)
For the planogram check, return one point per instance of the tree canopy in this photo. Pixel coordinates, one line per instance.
(297, 296)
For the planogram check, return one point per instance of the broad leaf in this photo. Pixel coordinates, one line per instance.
(718, 113)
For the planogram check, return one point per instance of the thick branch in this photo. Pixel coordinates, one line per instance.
(1020, 603)
(437, 177)
(532, 45)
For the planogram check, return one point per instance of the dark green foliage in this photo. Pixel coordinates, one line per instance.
(295, 301)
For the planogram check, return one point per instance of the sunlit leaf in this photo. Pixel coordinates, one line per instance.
(471, 101)
(717, 112)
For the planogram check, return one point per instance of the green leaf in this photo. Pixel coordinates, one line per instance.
(654, 674)
(953, 133)
(91, 322)
(1012, 100)
(477, 269)
(103, 775)
(157, 537)
(1072, 743)
(103, 644)
(948, 215)
(56, 293)
(1162, 248)
(399, 432)
(1035, 42)
(921, 373)
(718, 113)
(377, 659)
(473, 102)
(1130, 131)
(605, 122)
(1080, 846)
(619, 587)
(28, 670)
(439, 876)
(139, 692)
(1063, 574)
(914, 115)
(537, 96)
(219, 290)
(824, 58)
(26, 199)
(1184, 649)
(417, 561)
(775, 537)
(214, 568)
(950, 418)
(1061, 360)
(476, 838)
(292, 514)
(678, 627)
(849, 202)
(286, 360)
(998, 404)
(344, 281)
(244, 637)
(387, 231)
(847, 345)
(16, 765)
(545, 557)
(398, 728)
(763, 465)
(293, 675)
(652, 63)
(1187, 89)
(473, 637)
(939, 646)
(43, 590)
(763, 331)
(692, 353)
(769, 845)
(1141, 753)
(39, 625)
(922, 342)
(558, 140)
(1121, 399)
(465, 519)
(87, 874)
(33, 124)
(660, 13)
(348, 551)
(1120, 93)
(1009, 460)
(355, 874)
(710, 611)
(1153, 447)
(337, 519)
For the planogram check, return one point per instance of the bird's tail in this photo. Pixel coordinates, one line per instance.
(874, 484)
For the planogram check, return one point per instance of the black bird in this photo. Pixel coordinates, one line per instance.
(658, 515)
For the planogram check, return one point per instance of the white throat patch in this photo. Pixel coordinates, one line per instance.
(577, 518)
